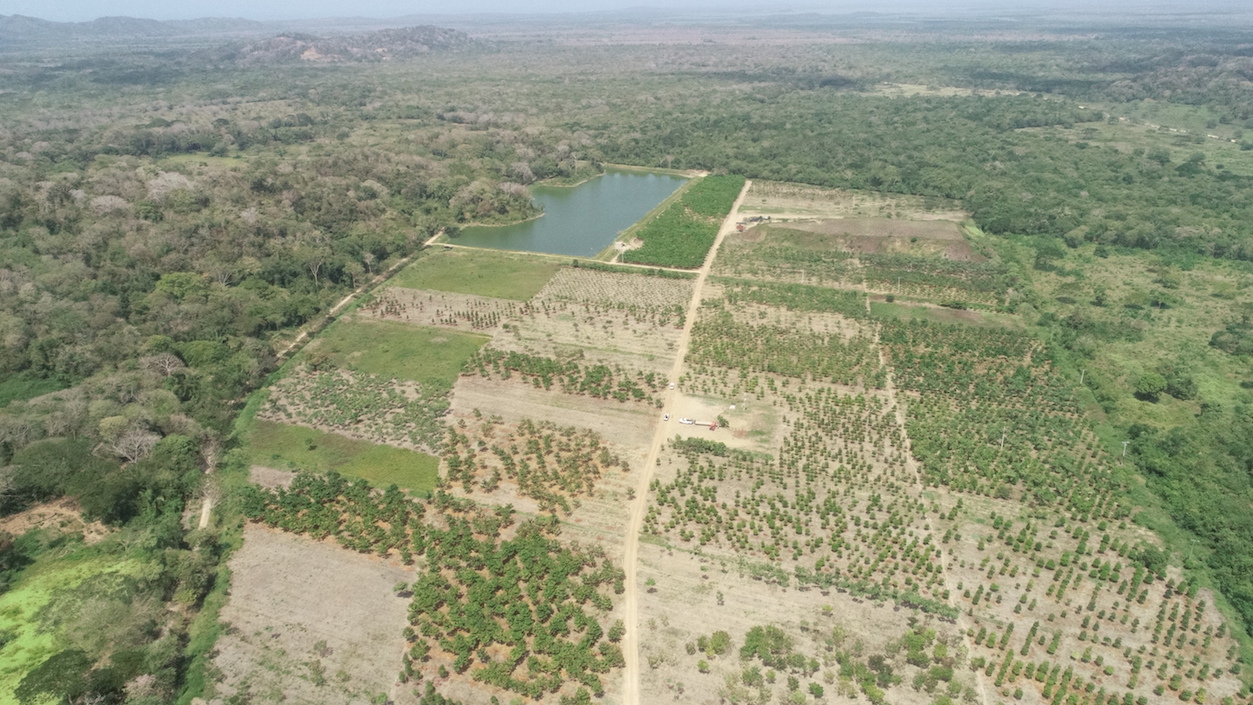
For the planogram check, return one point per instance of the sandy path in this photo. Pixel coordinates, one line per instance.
(631, 641)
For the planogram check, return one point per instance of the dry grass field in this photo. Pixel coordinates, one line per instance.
(309, 622)
(789, 201)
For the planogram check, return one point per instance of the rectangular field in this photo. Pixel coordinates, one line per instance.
(483, 272)
(393, 349)
(309, 622)
(281, 445)
(789, 200)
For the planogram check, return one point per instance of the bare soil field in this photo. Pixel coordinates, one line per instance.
(60, 516)
(689, 596)
(440, 309)
(790, 201)
(309, 622)
(598, 333)
(270, 477)
(627, 425)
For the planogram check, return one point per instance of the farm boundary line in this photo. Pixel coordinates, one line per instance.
(631, 641)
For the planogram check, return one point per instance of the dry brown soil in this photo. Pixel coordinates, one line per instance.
(309, 622)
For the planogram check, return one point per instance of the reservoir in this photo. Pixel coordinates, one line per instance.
(580, 220)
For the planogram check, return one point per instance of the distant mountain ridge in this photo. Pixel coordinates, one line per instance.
(20, 29)
(380, 45)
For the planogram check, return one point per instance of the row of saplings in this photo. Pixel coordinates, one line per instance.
(596, 380)
(992, 416)
(547, 462)
(770, 648)
(505, 602)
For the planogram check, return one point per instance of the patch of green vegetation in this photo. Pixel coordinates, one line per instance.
(681, 235)
(24, 386)
(482, 272)
(61, 566)
(298, 447)
(396, 350)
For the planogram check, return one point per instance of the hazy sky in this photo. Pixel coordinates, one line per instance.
(80, 10)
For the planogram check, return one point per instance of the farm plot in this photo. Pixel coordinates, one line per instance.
(516, 400)
(790, 200)
(369, 407)
(778, 253)
(285, 447)
(308, 622)
(720, 341)
(716, 633)
(752, 304)
(595, 380)
(583, 285)
(681, 235)
(501, 602)
(918, 260)
(637, 337)
(1061, 607)
(438, 308)
(987, 415)
(487, 273)
(837, 508)
(542, 461)
(940, 280)
(393, 350)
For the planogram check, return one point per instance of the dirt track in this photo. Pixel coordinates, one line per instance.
(631, 641)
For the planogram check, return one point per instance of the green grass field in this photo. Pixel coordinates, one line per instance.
(482, 272)
(20, 386)
(296, 447)
(396, 350)
(26, 644)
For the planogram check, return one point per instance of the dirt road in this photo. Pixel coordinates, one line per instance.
(631, 642)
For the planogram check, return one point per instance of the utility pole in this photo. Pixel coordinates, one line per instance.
(1192, 545)
(1002, 439)
(1081, 375)
(1124, 450)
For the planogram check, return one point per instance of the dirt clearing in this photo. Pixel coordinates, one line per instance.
(309, 622)
(787, 200)
(628, 425)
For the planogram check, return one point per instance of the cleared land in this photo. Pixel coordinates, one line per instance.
(908, 501)
(791, 201)
(309, 622)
